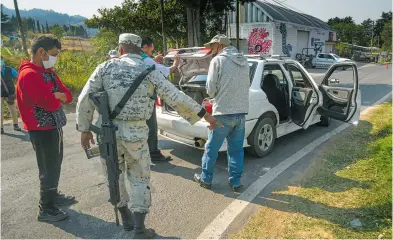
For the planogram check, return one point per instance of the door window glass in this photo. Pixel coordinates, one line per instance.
(298, 77)
(276, 70)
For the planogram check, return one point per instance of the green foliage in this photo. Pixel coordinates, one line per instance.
(75, 68)
(57, 31)
(45, 15)
(363, 34)
(6, 25)
(104, 42)
(143, 19)
(386, 36)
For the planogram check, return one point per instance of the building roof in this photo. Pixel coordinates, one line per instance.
(283, 14)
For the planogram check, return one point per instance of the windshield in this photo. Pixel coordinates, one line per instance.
(335, 56)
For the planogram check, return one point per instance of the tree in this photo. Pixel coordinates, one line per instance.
(200, 9)
(34, 26)
(368, 28)
(38, 26)
(143, 18)
(22, 33)
(379, 25)
(6, 24)
(104, 42)
(42, 29)
(386, 36)
(14, 23)
(57, 31)
(65, 28)
(47, 28)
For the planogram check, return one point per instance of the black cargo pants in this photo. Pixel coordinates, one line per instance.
(153, 135)
(48, 146)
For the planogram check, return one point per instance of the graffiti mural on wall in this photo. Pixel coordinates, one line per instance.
(258, 42)
(286, 48)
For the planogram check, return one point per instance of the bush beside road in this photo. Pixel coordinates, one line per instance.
(346, 193)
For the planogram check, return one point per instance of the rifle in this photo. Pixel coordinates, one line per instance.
(106, 136)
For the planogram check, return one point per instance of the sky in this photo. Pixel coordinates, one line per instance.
(322, 9)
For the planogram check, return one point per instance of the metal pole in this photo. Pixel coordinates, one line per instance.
(163, 32)
(237, 24)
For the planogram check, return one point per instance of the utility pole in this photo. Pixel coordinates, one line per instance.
(237, 24)
(163, 31)
(22, 32)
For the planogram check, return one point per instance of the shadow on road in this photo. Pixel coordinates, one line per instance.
(254, 167)
(24, 136)
(89, 227)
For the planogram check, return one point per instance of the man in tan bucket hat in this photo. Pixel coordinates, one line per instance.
(228, 82)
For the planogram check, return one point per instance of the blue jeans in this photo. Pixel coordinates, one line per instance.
(233, 131)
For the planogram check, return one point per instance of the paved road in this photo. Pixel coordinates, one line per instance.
(181, 209)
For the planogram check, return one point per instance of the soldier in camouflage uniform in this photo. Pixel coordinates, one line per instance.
(116, 76)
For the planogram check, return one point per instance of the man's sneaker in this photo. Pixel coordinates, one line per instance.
(51, 214)
(197, 178)
(62, 200)
(17, 128)
(235, 189)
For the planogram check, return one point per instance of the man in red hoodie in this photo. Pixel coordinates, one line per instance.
(40, 94)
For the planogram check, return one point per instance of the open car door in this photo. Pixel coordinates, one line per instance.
(305, 98)
(341, 94)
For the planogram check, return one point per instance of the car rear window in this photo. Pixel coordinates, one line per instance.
(203, 77)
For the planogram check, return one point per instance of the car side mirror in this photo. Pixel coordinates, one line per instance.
(333, 81)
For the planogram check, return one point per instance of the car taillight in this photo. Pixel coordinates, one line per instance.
(207, 105)
(158, 102)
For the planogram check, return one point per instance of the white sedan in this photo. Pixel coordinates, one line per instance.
(283, 98)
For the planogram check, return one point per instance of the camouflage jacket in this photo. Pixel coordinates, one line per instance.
(115, 77)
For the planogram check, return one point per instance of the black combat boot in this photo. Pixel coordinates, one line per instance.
(17, 128)
(51, 214)
(140, 231)
(127, 218)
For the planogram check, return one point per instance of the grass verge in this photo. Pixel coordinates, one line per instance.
(351, 179)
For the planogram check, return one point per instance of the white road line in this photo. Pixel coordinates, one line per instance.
(218, 226)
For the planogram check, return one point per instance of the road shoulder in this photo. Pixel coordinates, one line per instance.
(347, 185)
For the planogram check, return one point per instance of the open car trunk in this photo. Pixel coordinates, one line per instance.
(193, 68)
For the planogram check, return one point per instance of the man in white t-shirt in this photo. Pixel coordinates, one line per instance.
(148, 49)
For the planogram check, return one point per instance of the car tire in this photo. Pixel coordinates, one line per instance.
(325, 121)
(264, 133)
(313, 66)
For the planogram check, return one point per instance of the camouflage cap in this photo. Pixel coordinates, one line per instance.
(129, 38)
(220, 39)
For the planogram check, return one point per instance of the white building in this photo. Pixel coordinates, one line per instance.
(278, 30)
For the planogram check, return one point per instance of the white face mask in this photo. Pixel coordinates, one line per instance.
(50, 63)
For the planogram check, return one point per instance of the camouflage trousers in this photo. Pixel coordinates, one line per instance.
(134, 163)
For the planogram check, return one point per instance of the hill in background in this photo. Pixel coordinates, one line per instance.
(51, 17)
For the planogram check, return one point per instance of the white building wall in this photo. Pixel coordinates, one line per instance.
(285, 34)
(255, 34)
(254, 29)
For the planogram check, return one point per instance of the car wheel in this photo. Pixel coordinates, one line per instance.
(262, 138)
(325, 121)
(313, 66)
